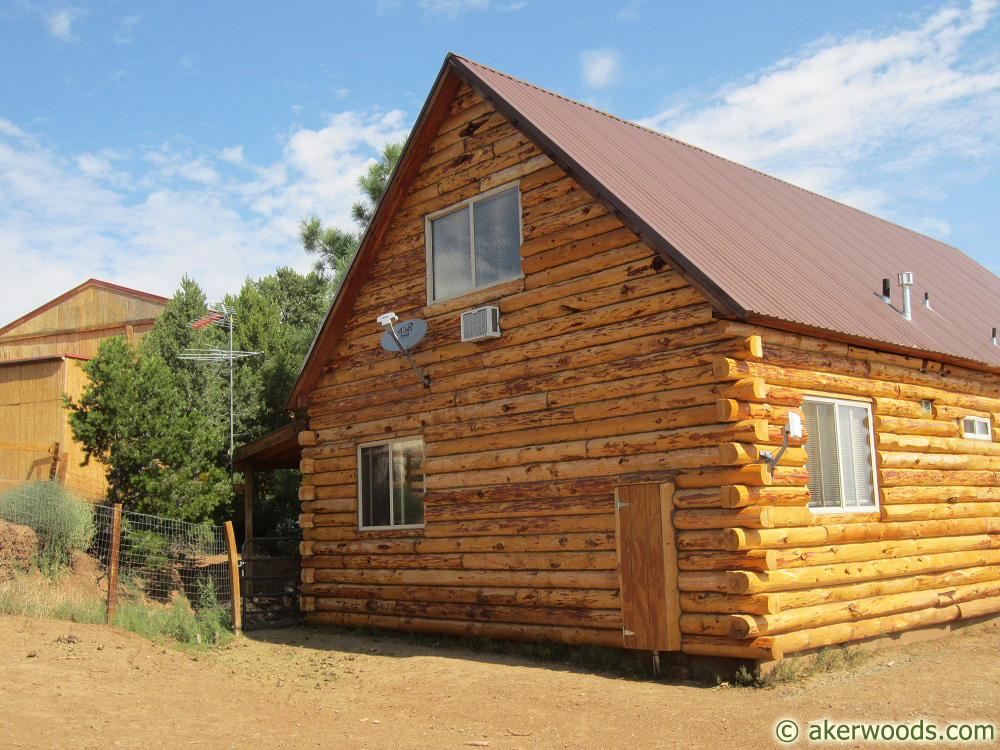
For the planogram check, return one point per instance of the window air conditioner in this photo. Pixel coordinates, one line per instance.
(481, 323)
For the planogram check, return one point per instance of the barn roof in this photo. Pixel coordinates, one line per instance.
(88, 284)
(759, 248)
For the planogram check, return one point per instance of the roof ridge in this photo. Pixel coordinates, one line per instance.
(680, 142)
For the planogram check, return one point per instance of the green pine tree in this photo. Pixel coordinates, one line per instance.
(335, 247)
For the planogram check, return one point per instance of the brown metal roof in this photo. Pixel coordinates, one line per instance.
(759, 247)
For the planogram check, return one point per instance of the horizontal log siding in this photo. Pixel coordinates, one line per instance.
(603, 375)
(930, 555)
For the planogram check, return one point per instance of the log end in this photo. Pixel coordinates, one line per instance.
(725, 369)
(308, 438)
(734, 540)
(735, 496)
(737, 582)
(736, 454)
(743, 626)
(727, 409)
(306, 548)
(761, 431)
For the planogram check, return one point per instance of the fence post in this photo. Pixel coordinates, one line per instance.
(116, 538)
(234, 576)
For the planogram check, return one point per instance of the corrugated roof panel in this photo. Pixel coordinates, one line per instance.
(775, 249)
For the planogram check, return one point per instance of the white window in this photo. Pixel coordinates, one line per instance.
(391, 484)
(977, 428)
(474, 245)
(840, 455)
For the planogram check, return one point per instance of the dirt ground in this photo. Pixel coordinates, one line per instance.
(65, 685)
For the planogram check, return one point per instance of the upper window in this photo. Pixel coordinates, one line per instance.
(391, 484)
(475, 244)
(839, 451)
(977, 428)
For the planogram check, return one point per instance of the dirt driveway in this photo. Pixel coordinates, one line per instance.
(64, 685)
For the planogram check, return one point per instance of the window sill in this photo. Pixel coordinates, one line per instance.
(407, 527)
(474, 297)
(847, 510)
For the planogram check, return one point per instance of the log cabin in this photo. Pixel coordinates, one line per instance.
(40, 354)
(600, 438)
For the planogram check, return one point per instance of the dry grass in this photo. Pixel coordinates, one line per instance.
(37, 595)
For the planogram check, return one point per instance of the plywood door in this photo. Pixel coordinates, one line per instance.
(647, 564)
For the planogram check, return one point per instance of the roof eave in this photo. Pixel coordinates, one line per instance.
(869, 343)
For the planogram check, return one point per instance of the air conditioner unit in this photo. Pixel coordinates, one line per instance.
(481, 323)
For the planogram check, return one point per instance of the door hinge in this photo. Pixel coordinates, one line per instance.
(626, 633)
(621, 505)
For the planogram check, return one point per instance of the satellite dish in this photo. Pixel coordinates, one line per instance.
(409, 333)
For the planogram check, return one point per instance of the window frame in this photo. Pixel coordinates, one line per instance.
(836, 401)
(392, 527)
(429, 241)
(975, 435)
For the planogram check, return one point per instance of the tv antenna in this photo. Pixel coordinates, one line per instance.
(221, 316)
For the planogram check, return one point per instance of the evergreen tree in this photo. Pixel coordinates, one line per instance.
(336, 247)
(373, 183)
(155, 421)
(160, 424)
(278, 316)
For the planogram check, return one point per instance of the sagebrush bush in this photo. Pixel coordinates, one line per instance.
(63, 523)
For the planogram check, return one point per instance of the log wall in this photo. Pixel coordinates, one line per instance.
(930, 554)
(603, 376)
(612, 370)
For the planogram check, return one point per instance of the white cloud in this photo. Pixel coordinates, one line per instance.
(630, 11)
(125, 32)
(146, 216)
(858, 117)
(233, 155)
(453, 8)
(599, 67)
(60, 23)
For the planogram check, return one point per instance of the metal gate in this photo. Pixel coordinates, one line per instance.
(269, 582)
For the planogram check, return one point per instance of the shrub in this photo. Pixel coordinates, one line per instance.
(63, 523)
(149, 549)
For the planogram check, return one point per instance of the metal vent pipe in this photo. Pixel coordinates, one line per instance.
(906, 281)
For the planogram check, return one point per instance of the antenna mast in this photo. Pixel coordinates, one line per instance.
(221, 316)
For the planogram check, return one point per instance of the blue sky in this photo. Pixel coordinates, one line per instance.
(142, 141)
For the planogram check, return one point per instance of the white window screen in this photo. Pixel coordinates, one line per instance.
(839, 454)
(476, 246)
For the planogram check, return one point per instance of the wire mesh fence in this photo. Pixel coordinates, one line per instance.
(162, 563)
